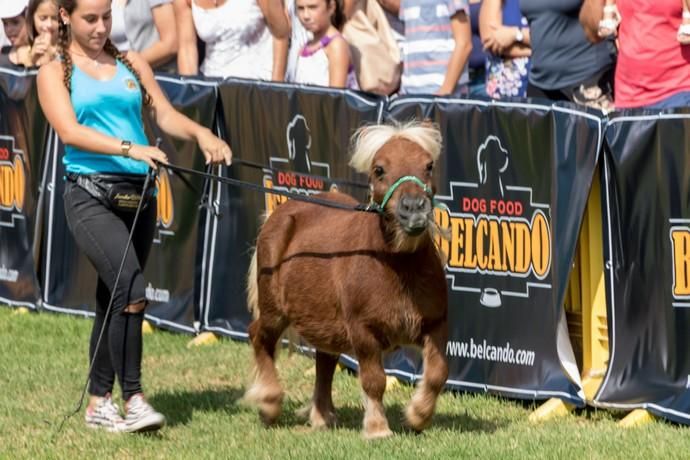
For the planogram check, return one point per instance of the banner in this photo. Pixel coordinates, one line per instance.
(69, 278)
(171, 269)
(22, 136)
(297, 133)
(647, 269)
(516, 179)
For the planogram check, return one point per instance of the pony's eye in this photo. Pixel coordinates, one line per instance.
(430, 167)
(378, 172)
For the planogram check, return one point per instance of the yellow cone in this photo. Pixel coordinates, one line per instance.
(146, 328)
(205, 338)
(550, 409)
(391, 382)
(638, 417)
(21, 311)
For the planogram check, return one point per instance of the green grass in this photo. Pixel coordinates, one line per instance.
(43, 363)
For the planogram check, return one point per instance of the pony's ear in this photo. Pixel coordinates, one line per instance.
(427, 123)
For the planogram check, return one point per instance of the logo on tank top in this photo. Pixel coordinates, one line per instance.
(130, 84)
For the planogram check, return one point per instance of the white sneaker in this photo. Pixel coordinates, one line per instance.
(141, 416)
(105, 415)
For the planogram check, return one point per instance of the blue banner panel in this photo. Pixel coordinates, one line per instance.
(515, 178)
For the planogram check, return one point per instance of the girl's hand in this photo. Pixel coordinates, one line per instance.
(41, 45)
(148, 154)
(500, 39)
(215, 150)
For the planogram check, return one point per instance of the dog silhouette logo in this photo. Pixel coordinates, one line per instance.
(296, 172)
(492, 161)
(299, 144)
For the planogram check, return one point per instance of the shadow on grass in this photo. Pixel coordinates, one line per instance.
(351, 418)
(178, 406)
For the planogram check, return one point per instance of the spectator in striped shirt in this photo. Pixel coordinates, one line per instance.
(438, 42)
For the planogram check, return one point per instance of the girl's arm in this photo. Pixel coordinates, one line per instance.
(350, 6)
(276, 18)
(499, 39)
(57, 107)
(338, 53)
(591, 13)
(173, 122)
(490, 17)
(166, 47)
(392, 6)
(516, 50)
(187, 53)
(23, 56)
(462, 33)
(280, 57)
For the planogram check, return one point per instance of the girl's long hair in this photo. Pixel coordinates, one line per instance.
(338, 19)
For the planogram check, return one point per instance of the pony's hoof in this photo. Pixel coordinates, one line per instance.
(376, 428)
(269, 416)
(320, 421)
(372, 435)
(270, 411)
(415, 420)
(268, 402)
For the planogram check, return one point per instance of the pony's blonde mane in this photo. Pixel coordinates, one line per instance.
(367, 140)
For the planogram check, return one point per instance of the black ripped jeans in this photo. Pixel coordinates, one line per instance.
(102, 235)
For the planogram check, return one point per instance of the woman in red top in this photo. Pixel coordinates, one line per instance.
(653, 68)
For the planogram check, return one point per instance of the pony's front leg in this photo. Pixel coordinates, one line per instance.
(373, 380)
(420, 410)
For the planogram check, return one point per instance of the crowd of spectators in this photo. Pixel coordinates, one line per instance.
(599, 53)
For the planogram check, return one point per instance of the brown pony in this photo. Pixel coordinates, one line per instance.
(356, 282)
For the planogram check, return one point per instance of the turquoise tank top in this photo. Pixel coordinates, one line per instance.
(112, 107)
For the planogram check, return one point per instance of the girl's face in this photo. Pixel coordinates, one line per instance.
(315, 15)
(90, 23)
(46, 19)
(15, 30)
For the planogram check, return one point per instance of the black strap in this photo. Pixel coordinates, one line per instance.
(260, 188)
(251, 164)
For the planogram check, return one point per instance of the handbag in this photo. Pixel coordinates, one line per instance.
(375, 53)
(119, 192)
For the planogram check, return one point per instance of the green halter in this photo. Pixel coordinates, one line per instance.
(380, 207)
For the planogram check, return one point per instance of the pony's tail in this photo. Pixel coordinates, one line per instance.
(253, 288)
(289, 336)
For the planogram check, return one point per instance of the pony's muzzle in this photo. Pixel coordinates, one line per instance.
(413, 212)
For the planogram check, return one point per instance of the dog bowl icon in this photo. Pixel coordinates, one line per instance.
(490, 298)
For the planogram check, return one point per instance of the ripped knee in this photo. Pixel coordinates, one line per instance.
(135, 308)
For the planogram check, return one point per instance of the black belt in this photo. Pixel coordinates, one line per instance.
(121, 192)
(85, 182)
